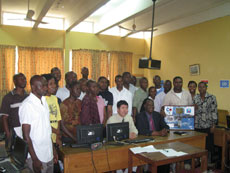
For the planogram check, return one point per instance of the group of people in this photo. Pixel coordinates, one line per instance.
(47, 117)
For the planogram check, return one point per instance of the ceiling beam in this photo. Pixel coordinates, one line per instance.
(0, 12)
(84, 9)
(41, 10)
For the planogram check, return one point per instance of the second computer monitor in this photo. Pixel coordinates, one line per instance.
(117, 131)
(88, 134)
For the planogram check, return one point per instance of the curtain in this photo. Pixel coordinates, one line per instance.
(119, 62)
(96, 61)
(101, 63)
(33, 61)
(7, 68)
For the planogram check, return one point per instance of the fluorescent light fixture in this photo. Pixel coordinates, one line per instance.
(84, 27)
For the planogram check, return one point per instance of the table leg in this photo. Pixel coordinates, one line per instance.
(130, 162)
(204, 162)
(153, 168)
(193, 164)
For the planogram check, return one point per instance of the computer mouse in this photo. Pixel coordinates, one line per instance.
(2, 169)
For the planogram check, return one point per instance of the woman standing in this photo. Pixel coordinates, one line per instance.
(206, 115)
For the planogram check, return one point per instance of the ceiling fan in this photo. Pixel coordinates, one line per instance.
(134, 28)
(29, 15)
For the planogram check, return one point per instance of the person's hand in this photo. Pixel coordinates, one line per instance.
(58, 141)
(196, 106)
(55, 159)
(132, 135)
(37, 166)
(156, 133)
(164, 132)
(162, 112)
(212, 129)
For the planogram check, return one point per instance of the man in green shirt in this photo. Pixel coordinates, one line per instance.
(139, 96)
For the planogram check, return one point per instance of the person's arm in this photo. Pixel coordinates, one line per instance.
(105, 116)
(109, 110)
(133, 130)
(6, 126)
(214, 113)
(66, 131)
(134, 114)
(37, 164)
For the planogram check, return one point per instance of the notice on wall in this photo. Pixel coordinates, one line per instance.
(224, 83)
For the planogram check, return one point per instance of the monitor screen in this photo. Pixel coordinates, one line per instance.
(180, 117)
(20, 152)
(143, 63)
(119, 131)
(88, 134)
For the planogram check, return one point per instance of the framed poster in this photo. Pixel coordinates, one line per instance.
(194, 69)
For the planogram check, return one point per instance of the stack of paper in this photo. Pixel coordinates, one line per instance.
(151, 148)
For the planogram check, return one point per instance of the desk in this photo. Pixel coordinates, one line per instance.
(156, 159)
(220, 135)
(113, 157)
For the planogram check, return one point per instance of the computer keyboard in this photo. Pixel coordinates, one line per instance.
(80, 145)
(9, 167)
(135, 141)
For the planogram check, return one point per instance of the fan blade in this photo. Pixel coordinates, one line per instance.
(32, 20)
(30, 14)
(148, 30)
(125, 28)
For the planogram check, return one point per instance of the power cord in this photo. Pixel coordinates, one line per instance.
(94, 167)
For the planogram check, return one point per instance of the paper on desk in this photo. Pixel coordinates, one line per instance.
(172, 152)
(147, 149)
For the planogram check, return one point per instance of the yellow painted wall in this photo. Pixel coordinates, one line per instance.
(207, 44)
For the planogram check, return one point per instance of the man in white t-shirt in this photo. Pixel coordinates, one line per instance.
(64, 93)
(121, 93)
(36, 129)
(157, 83)
(177, 96)
(126, 78)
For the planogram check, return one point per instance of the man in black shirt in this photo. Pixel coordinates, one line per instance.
(106, 95)
(10, 106)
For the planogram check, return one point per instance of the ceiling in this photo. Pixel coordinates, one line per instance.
(170, 15)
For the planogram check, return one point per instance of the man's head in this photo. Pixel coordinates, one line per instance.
(51, 84)
(167, 86)
(202, 87)
(85, 72)
(56, 72)
(149, 106)
(157, 81)
(103, 83)
(126, 77)
(92, 87)
(133, 80)
(177, 83)
(19, 80)
(122, 108)
(70, 77)
(38, 85)
(75, 90)
(83, 84)
(192, 85)
(152, 92)
(119, 81)
(144, 83)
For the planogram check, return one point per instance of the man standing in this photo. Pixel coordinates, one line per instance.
(63, 93)
(126, 77)
(36, 129)
(10, 106)
(85, 73)
(56, 73)
(140, 95)
(157, 83)
(158, 101)
(121, 93)
(122, 116)
(178, 96)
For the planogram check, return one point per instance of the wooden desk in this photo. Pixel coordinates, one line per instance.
(113, 157)
(156, 159)
(220, 135)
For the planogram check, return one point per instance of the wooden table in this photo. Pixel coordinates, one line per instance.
(116, 157)
(156, 159)
(220, 139)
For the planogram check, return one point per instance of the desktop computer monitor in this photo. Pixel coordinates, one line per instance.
(88, 134)
(180, 117)
(119, 131)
